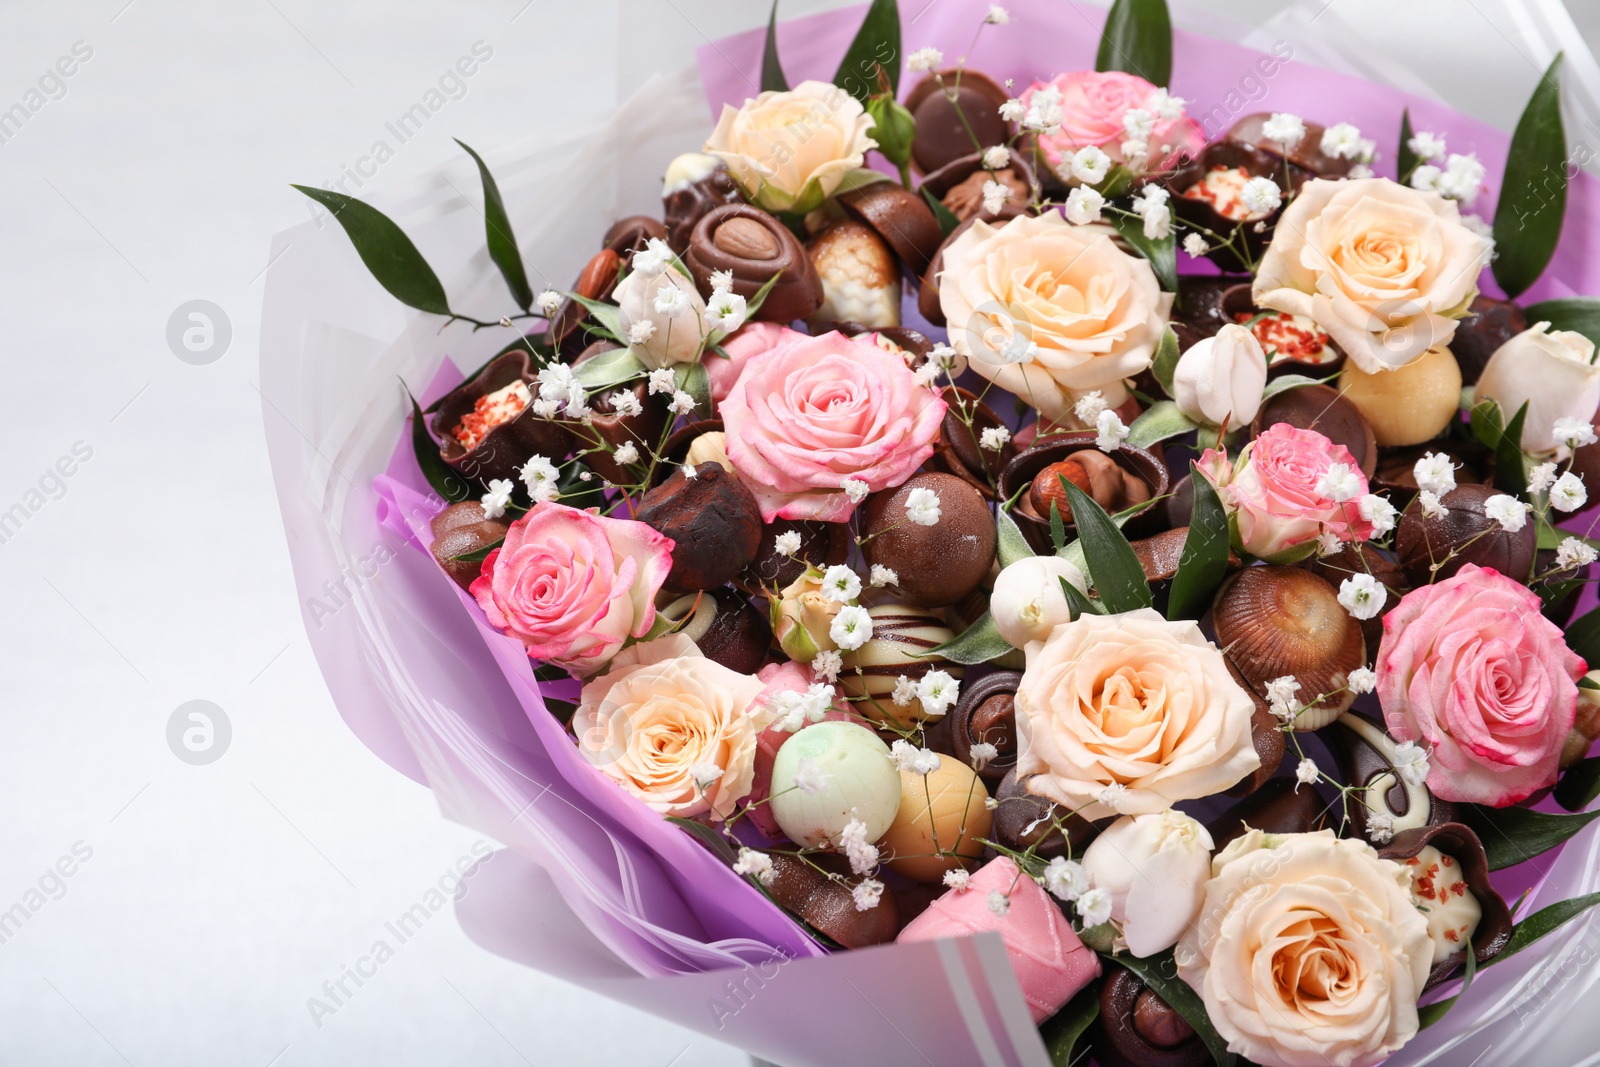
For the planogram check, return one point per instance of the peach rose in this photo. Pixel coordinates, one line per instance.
(1273, 496)
(790, 150)
(1385, 270)
(572, 586)
(1135, 701)
(673, 728)
(810, 413)
(1050, 311)
(1470, 669)
(1308, 951)
(1095, 109)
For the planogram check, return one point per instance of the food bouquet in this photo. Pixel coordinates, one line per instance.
(1014, 502)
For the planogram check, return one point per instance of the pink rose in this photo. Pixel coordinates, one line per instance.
(574, 586)
(810, 413)
(751, 339)
(1094, 106)
(1470, 670)
(1277, 506)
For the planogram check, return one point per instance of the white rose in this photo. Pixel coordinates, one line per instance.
(676, 339)
(1553, 371)
(1028, 601)
(1155, 867)
(1220, 379)
(789, 151)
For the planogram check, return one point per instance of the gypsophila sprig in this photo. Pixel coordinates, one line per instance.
(827, 665)
(922, 506)
(905, 691)
(1379, 512)
(1084, 206)
(810, 778)
(1380, 827)
(994, 438)
(851, 628)
(756, 864)
(1541, 478)
(626, 454)
(1195, 245)
(1362, 680)
(497, 498)
(787, 543)
(882, 576)
(1435, 473)
(924, 59)
(841, 584)
(1342, 141)
(1573, 433)
(1286, 129)
(1431, 506)
(663, 381)
(1110, 431)
(1088, 407)
(1508, 511)
(937, 690)
(1094, 907)
(998, 902)
(996, 157)
(1572, 552)
(1340, 482)
(549, 302)
(1362, 596)
(982, 754)
(957, 879)
(1411, 763)
(855, 490)
(866, 894)
(540, 476)
(1261, 196)
(1306, 773)
(1065, 879)
(1568, 493)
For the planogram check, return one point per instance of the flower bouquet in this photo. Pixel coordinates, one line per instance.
(993, 541)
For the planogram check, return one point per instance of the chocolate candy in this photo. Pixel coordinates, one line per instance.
(957, 451)
(928, 305)
(901, 637)
(696, 184)
(713, 520)
(1489, 324)
(1320, 408)
(1265, 738)
(942, 136)
(860, 277)
(941, 819)
(725, 626)
(987, 713)
(1425, 545)
(822, 545)
(1363, 558)
(1396, 473)
(939, 564)
(902, 218)
(1139, 1029)
(1023, 820)
(461, 529)
(958, 185)
(502, 450)
(629, 235)
(1117, 480)
(597, 281)
(1275, 808)
(754, 247)
(1366, 761)
(643, 429)
(828, 906)
(1460, 848)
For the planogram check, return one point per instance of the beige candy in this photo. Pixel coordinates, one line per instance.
(1410, 405)
(860, 278)
(709, 448)
(941, 812)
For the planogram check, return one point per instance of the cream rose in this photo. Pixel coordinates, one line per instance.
(1553, 372)
(1384, 270)
(1220, 379)
(1135, 701)
(673, 338)
(790, 150)
(673, 728)
(1308, 951)
(1051, 311)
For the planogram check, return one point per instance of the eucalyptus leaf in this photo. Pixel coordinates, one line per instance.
(1579, 785)
(445, 481)
(1138, 39)
(1165, 361)
(1580, 314)
(772, 79)
(609, 368)
(1010, 544)
(1583, 636)
(979, 643)
(497, 232)
(1063, 1030)
(1405, 159)
(876, 45)
(388, 253)
(1533, 193)
(1113, 567)
(1159, 422)
(1512, 835)
(1204, 563)
(1160, 973)
(947, 218)
(1162, 254)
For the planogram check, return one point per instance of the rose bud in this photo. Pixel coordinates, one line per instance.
(713, 520)
(1028, 601)
(1553, 372)
(828, 775)
(802, 616)
(1220, 379)
(1155, 868)
(826, 134)
(674, 340)
(860, 278)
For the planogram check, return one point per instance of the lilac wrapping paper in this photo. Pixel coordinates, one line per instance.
(593, 887)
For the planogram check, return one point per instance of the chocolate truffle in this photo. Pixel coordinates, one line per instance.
(1432, 550)
(1410, 404)
(1365, 754)
(695, 184)
(941, 134)
(958, 185)
(822, 545)
(461, 529)
(487, 428)
(941, 820)
(713, 520)
(1023, 820)
(1489, 324)
(939, 564)
(1396, 474)
(902, 635)
(860, 277)
(725, 626)
(902, 218)
(1320, 408)
(753, 246)
(987, 713)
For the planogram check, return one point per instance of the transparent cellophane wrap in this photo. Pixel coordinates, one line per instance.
(590, 886)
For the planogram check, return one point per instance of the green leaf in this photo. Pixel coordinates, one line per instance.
(1080, 604)
(1010, 544)
(1406, 159)
(607, 316)
(1138, 39)
(1512, 835)
(772, 79)
(1488, 425)
(1162, 254)
(692, 378)
(708, 837)
(1062, 1031)
(1533, 193)
(1165, 361)
(1204, 562)
(609, 368)
(877, 44)
(980, 643)
(1544, 921)
(1510, 465)
(478, 555)
(1058, 529)
(947, 218)
(1161, 975)
(1580, 314)
(388, 253)
(753, 305)
(1158, 422)
(445, 481)
(1583, 636)
(1429, 1014)
(1579, 785)
(1286, 382)
(1118, 578)
(497, 230)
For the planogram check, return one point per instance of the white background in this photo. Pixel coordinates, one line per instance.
(219, 898)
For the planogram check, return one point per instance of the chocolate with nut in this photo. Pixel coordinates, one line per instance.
(754, 247)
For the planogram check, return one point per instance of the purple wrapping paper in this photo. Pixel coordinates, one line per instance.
(594, 887)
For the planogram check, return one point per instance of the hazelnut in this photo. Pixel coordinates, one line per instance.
(746, 239)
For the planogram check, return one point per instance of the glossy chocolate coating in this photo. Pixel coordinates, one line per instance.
(714, 522)
(822, 544)
(902, 218)
(939, 564)
(957, 451)
(798, 292)
(1321, 408)
(1461, 844)
(1023, 818)
(503, 450)
(1276, 808)
(1396, 474)
(941, 136)
(726, 627)
(1139, 1029)
(1362, 750)
(1265, 737)
(629, 235)
(828, 906)
(1489, 324)
(928, 305)
(987, 713)
(1201, 308)
(1465, 530)
(460, 529)
(684, 208)
(1363, 558)
(959, 186)
(1030, 462)
(643, 429)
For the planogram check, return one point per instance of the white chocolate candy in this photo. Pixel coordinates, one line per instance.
(1445, 900)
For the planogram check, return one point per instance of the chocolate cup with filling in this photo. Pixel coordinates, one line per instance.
(1321, 408)
(958, 185)
(459, 530)
(1291, 348)
(714, 523)
(1462, 845)
(1136, 1028)
(754, 247)
(913, 342)
(958, 450)
(1425, 545)
(1276, 808)
(1023, 819)
(683, 208)
(1489, 324)
(632, 234)
(1022, 471)
(902, 218)
(987, 713)
(504, 449)
(1365, 753)
(597, 281)
(1200, 312)
(643, 429)
(941, 136)
(725, 627)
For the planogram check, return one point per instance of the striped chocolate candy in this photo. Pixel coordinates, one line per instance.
(900, 633)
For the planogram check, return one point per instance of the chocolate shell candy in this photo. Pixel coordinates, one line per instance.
(902, 218)
(714, 523)
(596, 281)
(461, 529)
(687, 202)
(1366, 763)
(643, 429)
(1023, 820)
(1425, 545)
(958, 450)
(987, 713)
(1489, 324)
(958, 185)
(1031, 462)
(753, 246)
(828, 906)
(1137, 1028)
(1265, 737)
(928, 305)
(941, 134)
(1306, 158)
(822, 545)
(901, 637)
(632, 234)
(504, 449)
(725, 627)
(860, 277)
(1320, 408)
(940, 564)
(1458, 843)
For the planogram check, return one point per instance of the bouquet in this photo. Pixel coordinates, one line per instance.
(888, 542)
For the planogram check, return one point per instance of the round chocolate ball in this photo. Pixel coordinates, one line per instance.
(1023, 820)
(713, 520)
(462, 529)
(1489, 324)
(1432, 550)
(1321, 408)
(940, 564)
(822, 545)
